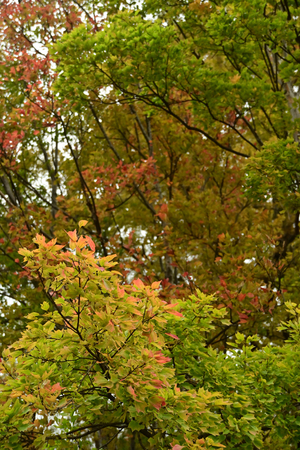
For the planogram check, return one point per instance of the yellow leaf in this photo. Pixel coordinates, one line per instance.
(235, 78)
(82, 223)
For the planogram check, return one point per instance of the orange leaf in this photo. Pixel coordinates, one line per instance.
(171, 305)
(138, 283)
(56, 387)
(91, 243)
(235, 78)
(110, 326)
(121, 292)
(155, 285)
(72, 235)
(175, 313)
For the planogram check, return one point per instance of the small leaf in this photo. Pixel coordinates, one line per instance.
(72, 235)
(138, 283)
(175, 313)
(56, 387)
(172, 335)
(155, 285)
(91, 243)
(45, 306)
(131, 391)
(235, 78)
(82, 223)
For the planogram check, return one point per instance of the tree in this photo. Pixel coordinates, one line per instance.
(104, 356)
(161, 178)
(172, 128)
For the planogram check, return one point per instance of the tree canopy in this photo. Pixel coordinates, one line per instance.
(170, 131)
(104, 356)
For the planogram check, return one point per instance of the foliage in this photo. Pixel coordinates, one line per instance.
(274, 175)
(105, 355)
(172, 130)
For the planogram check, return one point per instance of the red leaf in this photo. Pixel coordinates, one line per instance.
(172, 336)
(177, 447)
(155, 285)
(223, 282)
(161, 359)
(162, 216)
(131, 391)
(157, 383)
(158, 402)
(175, 313)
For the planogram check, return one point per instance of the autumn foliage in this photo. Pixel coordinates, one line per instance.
(169, 131)
(104, 356)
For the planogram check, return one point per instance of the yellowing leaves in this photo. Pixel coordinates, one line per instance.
(82, 223)
(200, 7)
(72, 235)
(155, 285)
(138, 283)
(91, 243)
(235, 78)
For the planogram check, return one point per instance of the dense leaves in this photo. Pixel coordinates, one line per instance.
(104, 355)
(170, 132)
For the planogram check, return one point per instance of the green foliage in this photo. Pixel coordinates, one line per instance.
(107, 355)
(170, 131)
(274, 175)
